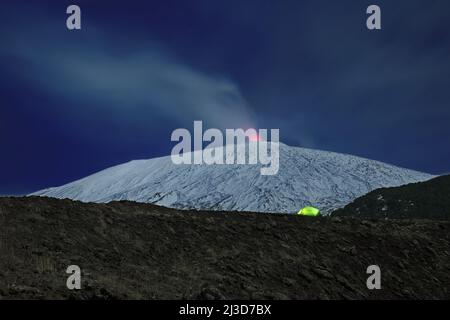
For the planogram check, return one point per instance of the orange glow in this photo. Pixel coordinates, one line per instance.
(255, 137)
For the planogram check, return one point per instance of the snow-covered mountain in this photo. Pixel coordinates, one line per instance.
(326, 180)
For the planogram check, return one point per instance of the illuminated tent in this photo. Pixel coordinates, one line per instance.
(309, 211)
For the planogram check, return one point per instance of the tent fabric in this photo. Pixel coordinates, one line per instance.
(309, 211)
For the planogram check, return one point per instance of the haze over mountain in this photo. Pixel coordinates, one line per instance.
(326, 180)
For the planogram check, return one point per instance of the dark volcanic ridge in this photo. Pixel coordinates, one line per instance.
(139, 251)
(429, 200)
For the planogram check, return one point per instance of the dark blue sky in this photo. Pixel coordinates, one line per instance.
(75, 102)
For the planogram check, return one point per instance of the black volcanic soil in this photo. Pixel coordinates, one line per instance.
(429, 200)
(138, 251)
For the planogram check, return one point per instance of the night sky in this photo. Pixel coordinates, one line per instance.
(75, 102)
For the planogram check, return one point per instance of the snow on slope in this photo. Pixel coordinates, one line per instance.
(323, 179)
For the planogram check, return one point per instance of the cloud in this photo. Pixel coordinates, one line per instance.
(140, 80)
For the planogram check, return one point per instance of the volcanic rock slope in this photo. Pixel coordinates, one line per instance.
(429, 199)
(141, 251)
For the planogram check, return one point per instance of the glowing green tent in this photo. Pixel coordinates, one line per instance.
(309, 211)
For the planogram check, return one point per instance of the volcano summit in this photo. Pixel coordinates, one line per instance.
(324, 179)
